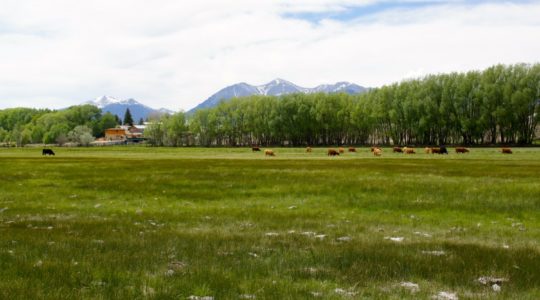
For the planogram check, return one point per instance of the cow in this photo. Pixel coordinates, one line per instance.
(352, 149)
(407, 150)
(47, 152)
(308, 149)
(377, 151)
(332, 152)
(462, 150)
(506, 151)
(439, 150)
(341, 150)
(397, 150)
(427, 150)
(269, 152)
(435, 150)
(254, 149)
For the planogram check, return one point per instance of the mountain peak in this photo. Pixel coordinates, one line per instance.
(102, 101)
(279, 87)
(279, 81)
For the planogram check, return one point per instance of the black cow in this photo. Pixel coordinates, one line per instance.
(443, 150)
(47, 152)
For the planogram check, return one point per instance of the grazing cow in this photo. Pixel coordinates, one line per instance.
(255, 149)
(506, 150)
(427, 150)
(435, 150)
(341, 150)
(377, 151)
(439, 150)
(407, 150)
(308, 149)
(397, 150)
(332, 152)
(47, 152)
(352, 149)
(269, 152)
(462, 150)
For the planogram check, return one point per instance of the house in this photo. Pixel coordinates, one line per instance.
(134, 132)
(115, 134)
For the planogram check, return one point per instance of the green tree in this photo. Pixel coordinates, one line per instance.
(128, 119)
(154, 132)
(107, 121)
(81, 135)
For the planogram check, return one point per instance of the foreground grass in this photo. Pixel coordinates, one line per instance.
(170, 223)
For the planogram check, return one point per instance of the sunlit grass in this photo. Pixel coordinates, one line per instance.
(170, 223)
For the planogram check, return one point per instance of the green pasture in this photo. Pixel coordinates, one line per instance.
(229, 223)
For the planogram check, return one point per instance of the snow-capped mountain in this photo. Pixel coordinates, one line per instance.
(103, 101)
(339, 87)
(276, 87)
(119, 107)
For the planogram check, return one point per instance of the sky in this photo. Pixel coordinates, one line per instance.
(175, 54)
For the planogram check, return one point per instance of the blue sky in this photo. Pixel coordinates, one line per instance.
(175, 54)
(361, 12)
(365, 12)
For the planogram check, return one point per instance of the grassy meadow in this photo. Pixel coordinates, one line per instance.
(190, 223)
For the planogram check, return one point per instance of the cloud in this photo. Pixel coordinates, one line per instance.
(175, 54)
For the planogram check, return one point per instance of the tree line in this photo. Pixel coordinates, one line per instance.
(500, 105)
(80, 124)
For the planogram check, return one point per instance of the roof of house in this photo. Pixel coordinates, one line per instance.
(115, 130)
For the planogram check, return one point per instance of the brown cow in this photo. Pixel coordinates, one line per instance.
(332, 152)
(341, 150)
(377, 151)
(397, 150)
(269, 152)
(352, 149)
(436, 150)
(427, 150)
(255, 149)
(407, 150)
(308, 149)
(462, 150)
(506, 150)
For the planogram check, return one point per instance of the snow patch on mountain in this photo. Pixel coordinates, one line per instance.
(103, 101)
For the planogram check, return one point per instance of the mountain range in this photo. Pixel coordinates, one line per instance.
(118, 107)
(276, 87)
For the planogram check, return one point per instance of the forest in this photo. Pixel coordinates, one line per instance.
(499, 105)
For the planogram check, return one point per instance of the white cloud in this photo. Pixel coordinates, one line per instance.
(173, 54)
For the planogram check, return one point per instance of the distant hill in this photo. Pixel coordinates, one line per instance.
(276, 87)
(118, 107)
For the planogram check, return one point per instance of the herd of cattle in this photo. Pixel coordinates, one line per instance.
(377, 151)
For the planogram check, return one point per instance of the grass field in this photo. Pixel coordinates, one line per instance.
(164, 223)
